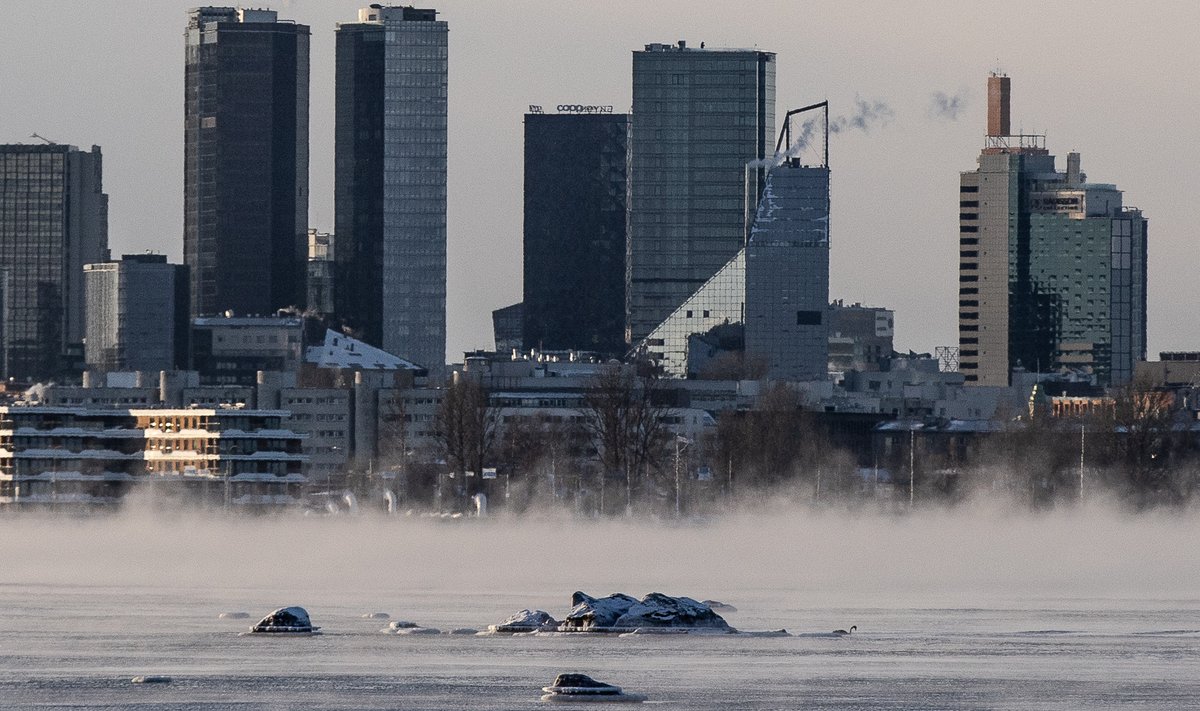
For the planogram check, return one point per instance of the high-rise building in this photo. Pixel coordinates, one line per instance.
(777, 287)
(575, 195)
(53, 220)
(137, 314)
(245, 161)
(390, 181)
(699, 117)
(787, 274)
(1052, 271)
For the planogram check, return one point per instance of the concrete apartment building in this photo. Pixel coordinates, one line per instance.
(82, 456)
(53, 220)
(1052, 272)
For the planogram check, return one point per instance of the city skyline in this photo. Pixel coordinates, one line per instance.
(80, 92)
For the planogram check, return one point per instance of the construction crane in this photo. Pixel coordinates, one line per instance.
(47, 140)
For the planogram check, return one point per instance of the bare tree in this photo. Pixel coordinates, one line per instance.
(1143, 439)
(624, 416)
(776, 442)
(465, 427)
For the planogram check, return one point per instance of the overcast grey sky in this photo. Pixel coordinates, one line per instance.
(1116, 81)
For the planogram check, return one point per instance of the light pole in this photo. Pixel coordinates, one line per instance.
(1082, 434)
(912, 436)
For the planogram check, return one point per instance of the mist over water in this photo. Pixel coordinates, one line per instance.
(961, 557)
(964, 608)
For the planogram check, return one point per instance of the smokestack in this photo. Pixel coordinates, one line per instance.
(998, 91)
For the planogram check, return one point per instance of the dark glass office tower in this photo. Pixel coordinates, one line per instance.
(53, 220)
(245, 161)
(575, 195)
(699, 116)
(390, 181)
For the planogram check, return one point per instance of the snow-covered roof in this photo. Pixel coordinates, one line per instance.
(342, 351)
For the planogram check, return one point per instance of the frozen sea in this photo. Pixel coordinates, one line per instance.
(949, 615)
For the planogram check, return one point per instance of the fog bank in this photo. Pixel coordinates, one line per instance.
(949, 558)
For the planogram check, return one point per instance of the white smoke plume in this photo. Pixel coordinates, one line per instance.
(868, 114)
(945, 106)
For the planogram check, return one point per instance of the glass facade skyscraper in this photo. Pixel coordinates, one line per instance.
(53, 220)
(699, 116)
(245, 161)
(574, 232)
(390, 181)
(787, 274)
(776, 288)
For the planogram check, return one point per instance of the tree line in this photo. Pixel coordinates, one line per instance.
(619, 452)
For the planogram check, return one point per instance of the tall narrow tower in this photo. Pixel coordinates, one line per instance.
(245, 161)
(390, 181)
(53, 220)
(699, 116)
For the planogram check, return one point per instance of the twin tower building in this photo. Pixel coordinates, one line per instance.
(246, 240)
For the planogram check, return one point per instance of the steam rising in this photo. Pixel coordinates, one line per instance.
(965, 556)
(868, 115)
(943, 106)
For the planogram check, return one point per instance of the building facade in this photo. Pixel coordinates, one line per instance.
(53, 220)
(245, 161)
(1052, 270)
(321, 254)
(508, 326)
(232, 350)
(699, 117)
(574, 231)
(860, 337)
(137, 315)
(71, 456)
(390, 181)
(787, 274)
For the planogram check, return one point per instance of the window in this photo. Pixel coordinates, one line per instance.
(969, 189)
(808, 318)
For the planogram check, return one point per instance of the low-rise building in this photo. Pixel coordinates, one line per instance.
(95, 456)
